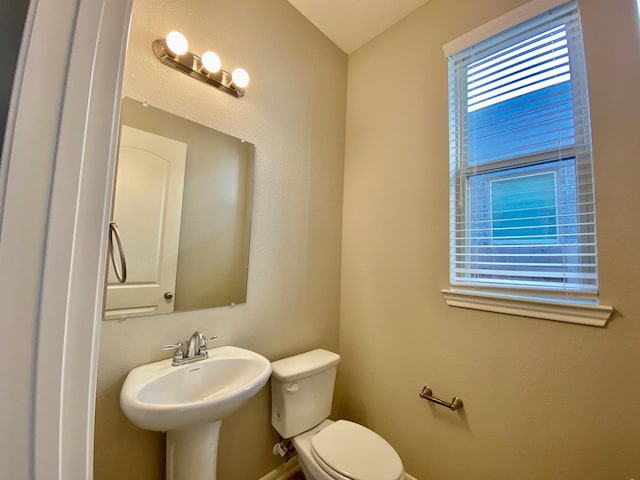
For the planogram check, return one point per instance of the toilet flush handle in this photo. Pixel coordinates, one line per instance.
(293, 388)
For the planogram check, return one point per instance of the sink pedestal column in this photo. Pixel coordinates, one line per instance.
(192, 453)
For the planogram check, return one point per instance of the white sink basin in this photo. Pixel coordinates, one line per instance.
(161, 397)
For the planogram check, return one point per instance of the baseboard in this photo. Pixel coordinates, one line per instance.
(284, 471)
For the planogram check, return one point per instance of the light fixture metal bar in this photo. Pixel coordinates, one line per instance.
(191, 64)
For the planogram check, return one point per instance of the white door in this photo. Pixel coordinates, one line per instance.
(147, 209)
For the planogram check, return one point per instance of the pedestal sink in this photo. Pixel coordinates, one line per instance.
(190, 401)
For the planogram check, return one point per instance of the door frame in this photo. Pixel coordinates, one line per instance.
(56, 186)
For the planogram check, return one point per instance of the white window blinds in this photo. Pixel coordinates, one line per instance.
(522, 201)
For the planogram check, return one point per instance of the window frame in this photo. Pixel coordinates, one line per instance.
(576, 307)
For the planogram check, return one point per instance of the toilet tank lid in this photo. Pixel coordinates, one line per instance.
(294, 368)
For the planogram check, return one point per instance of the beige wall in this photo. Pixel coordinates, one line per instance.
(294, 113)
(543, 400)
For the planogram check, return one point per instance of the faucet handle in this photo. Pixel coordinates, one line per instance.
(178, 355)
(202, 347)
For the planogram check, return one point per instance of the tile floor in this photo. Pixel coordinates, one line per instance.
(298, 476)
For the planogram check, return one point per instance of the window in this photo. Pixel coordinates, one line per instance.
(522, 214)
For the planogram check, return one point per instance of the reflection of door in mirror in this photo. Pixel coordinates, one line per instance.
(214, 223)
(147, 209)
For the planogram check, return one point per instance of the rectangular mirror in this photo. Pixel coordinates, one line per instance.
(182, 207)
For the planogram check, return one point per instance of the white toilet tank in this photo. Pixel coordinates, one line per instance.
(302, 391)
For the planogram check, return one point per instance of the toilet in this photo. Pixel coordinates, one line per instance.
(301, 398)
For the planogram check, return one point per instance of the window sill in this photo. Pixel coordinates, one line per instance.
(561, 311)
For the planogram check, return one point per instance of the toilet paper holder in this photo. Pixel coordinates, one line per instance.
(427, 394)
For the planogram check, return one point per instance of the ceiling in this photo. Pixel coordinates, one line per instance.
(352, 23)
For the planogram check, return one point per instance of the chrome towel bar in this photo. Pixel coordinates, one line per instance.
(427, 394)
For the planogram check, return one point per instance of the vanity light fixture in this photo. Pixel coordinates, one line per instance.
(174, 52)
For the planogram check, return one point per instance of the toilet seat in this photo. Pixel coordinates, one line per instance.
(346, 450)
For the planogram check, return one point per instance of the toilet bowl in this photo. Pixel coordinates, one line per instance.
(302, 394)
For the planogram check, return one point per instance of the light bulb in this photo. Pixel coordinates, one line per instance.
(177, 43)
(211, 62)
(240, 77)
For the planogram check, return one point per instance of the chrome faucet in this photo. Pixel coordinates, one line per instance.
(196, 349)
(197, 345)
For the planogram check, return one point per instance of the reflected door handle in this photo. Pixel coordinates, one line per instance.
(168, 295)
(120, 272)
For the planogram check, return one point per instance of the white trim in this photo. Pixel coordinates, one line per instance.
(409, 477)
(503, 22)
(59, 176)
(20, 260)
(80, 201)
(561, 311)
(75, 248)
(284, 471)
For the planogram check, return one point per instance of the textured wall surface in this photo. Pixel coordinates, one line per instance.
(294, 113)
(543, 400)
